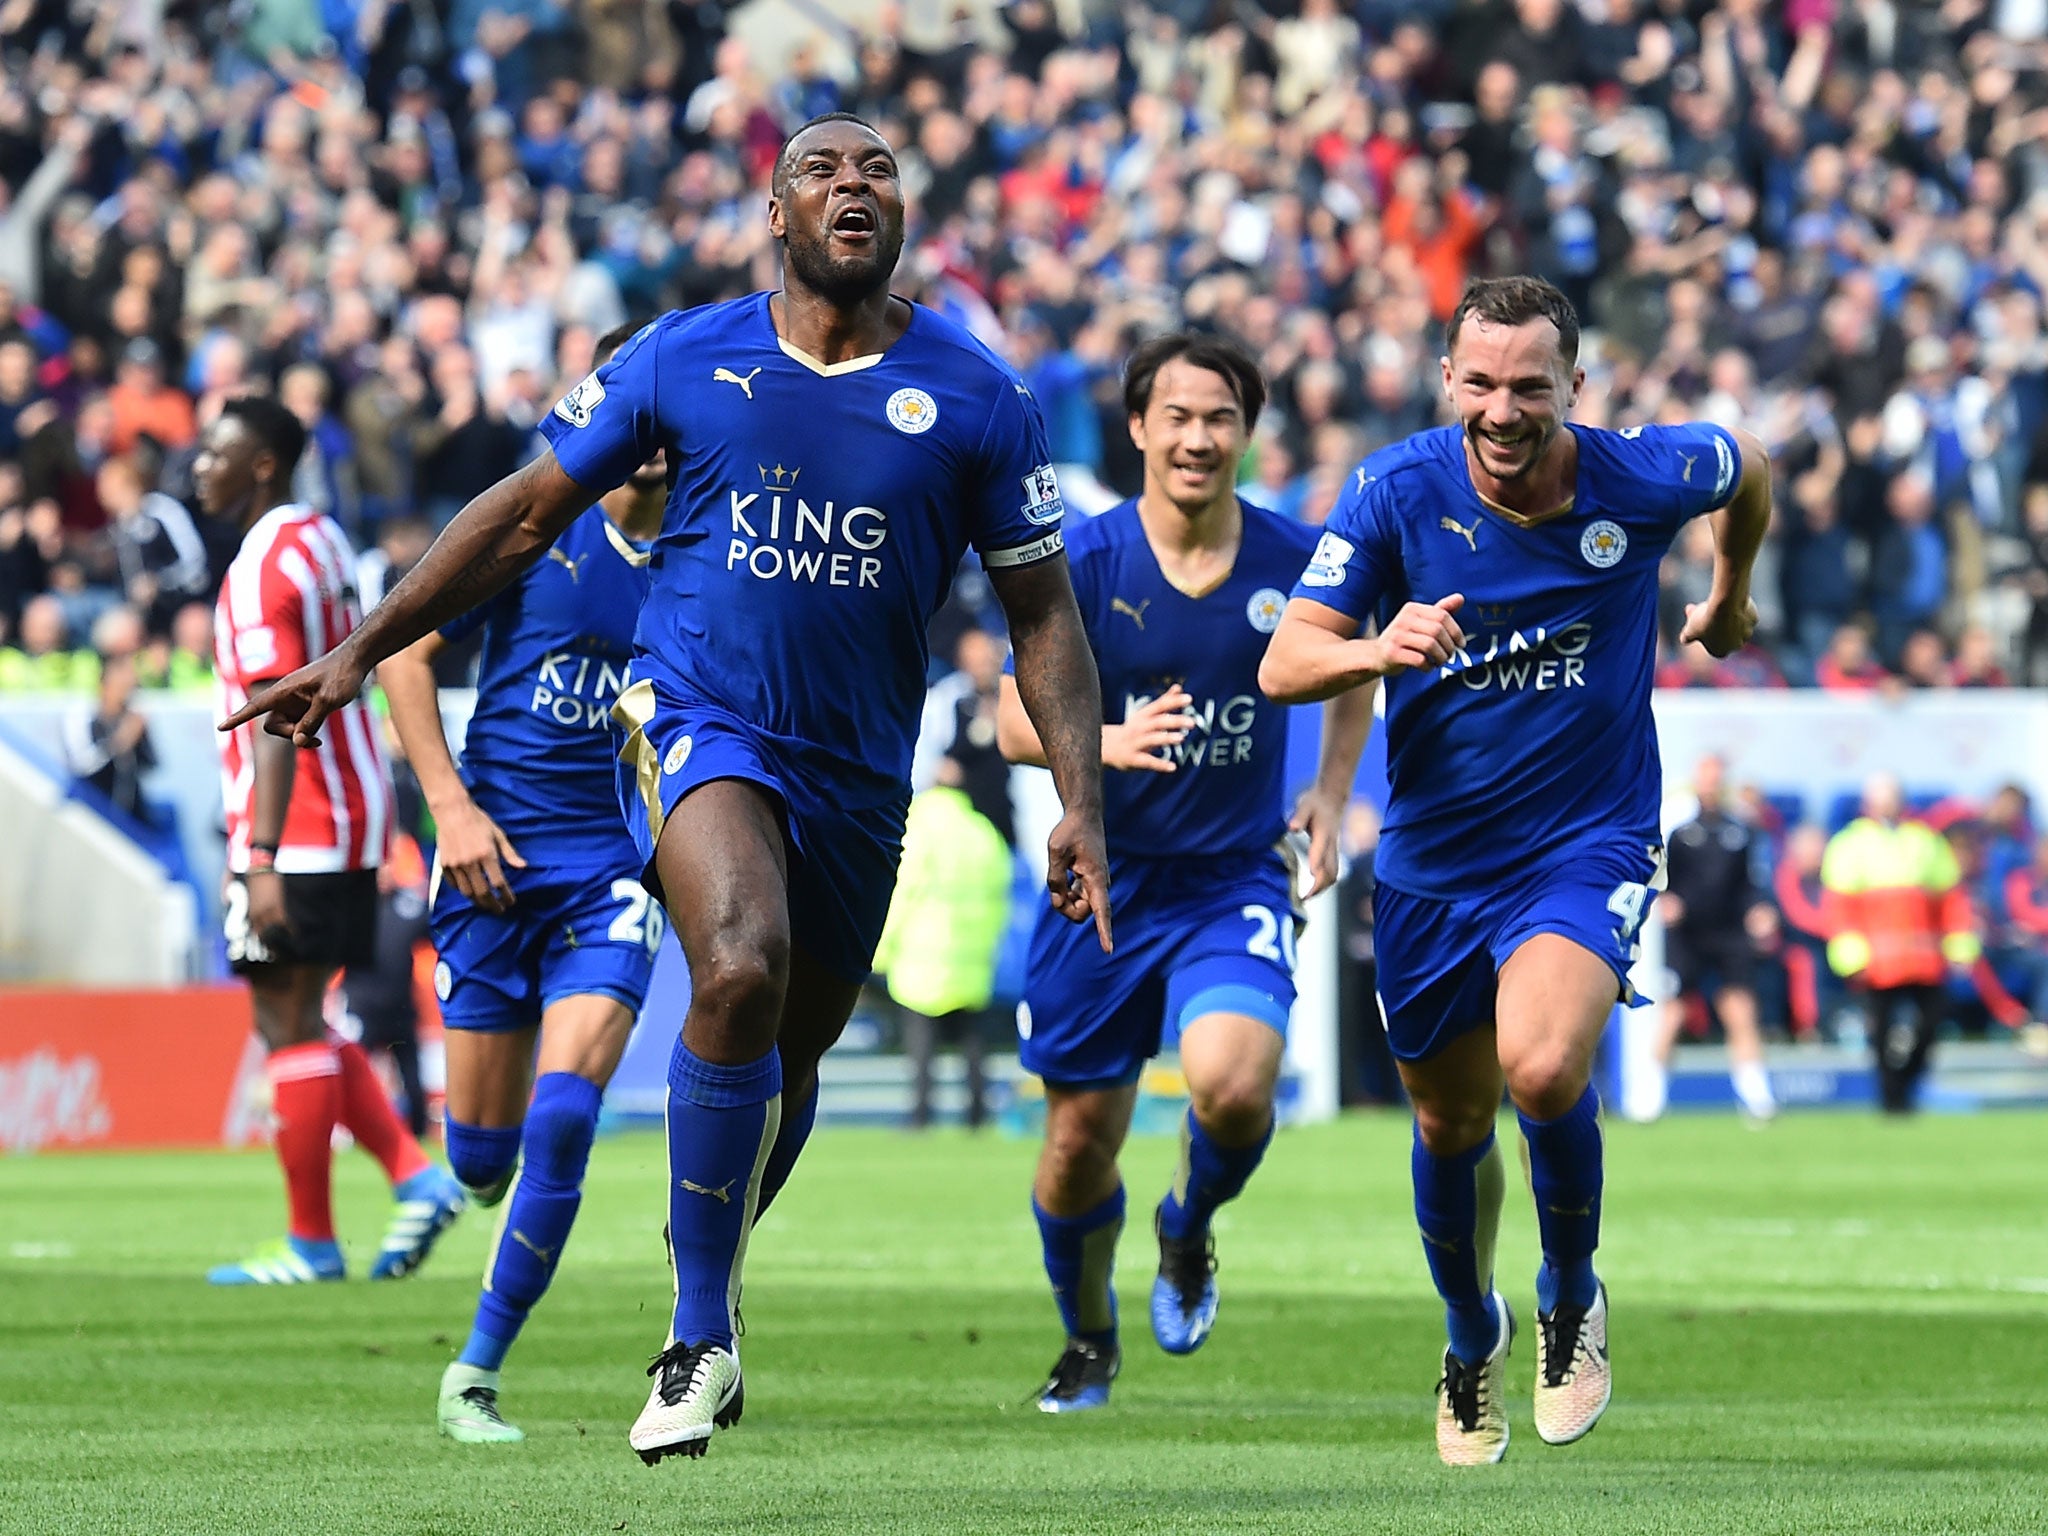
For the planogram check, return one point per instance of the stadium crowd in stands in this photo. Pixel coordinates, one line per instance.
(1826, 220)
(1823, 220)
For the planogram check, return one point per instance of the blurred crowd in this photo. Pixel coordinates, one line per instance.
(1824, 220)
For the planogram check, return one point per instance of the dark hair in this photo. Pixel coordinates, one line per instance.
(780, 177)
(1516, 301)
(274, 427)
(614, 339)
(1218, 354)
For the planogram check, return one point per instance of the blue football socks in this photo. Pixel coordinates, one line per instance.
(1209, 1175)
(560, 1126)
(1565, 1169)
(1080, 1261)
(1457, 1208)
(722, 1123)
(480, 1156)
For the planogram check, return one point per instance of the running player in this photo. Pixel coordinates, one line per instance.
(1510, 563)
(836, 450)
(1179, 589)
(306, 831)
(539, 917)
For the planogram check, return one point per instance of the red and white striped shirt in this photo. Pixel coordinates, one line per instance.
(289, 598)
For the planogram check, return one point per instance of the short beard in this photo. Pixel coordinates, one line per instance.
(843, 283)
(1542, 447)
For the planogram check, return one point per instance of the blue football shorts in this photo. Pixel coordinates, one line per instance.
(569, 933)
(842, 860)
(1439, 960)
(1194, 936)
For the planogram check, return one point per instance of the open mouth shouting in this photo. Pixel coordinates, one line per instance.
(856, 223)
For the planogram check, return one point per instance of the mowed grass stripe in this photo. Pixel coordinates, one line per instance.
(1806, 1340)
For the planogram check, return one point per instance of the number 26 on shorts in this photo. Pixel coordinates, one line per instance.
(1272, 938)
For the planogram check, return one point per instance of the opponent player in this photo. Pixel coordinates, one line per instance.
(540, 920)
(1511, 565)
(306, 831)
(836, 449)
(1179, 590)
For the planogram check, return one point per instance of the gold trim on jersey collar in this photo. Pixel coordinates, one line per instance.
(1523, 519)
(633, 557)
(1195, 593)
(829, 370)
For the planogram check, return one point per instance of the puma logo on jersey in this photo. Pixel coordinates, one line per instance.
(574, 567)
(722, 1194)
(1135, 615)
(1690, 460)
(545, 1255)
(727, 376)
(1469, 535)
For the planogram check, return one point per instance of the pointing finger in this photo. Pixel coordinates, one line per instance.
(1099, 902)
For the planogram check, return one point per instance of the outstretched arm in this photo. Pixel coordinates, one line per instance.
(1057, 682)
(492, 540)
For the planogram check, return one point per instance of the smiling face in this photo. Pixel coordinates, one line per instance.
(1192, 434)
(1511, 386)
(838, 211)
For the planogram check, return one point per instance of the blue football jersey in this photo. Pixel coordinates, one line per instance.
(558, 648)
(1226, 793)
(817, 517)
(1537, 737)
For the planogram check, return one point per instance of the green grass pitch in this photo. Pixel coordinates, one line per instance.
(1829, 1325)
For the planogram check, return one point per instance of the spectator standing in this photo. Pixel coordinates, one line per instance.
(1909, 573)
(1899, 922)
(1819, 570)
(959, 723)
(938, 948)
(157, 546)
(1810, 987)
(108, 742)
(145, 405)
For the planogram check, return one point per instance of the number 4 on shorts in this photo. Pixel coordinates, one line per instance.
(1629, 903)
